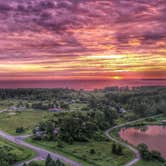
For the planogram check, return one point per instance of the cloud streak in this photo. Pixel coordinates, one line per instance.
(82, 39)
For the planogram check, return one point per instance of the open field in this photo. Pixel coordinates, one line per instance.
(81, 152)
(20, 153)
(27, 119)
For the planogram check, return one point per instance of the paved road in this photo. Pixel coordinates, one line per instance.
(41, 153)
(136, 152)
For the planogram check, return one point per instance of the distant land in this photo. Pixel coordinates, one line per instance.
(82, 84)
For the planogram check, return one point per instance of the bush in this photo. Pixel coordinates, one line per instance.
(20, 130)
(92, 151)
(34, 163)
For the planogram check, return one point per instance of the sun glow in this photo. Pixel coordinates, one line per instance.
(117, 77)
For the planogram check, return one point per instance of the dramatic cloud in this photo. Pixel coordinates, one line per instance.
(82, 39)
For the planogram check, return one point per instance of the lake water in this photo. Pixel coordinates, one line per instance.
(77, 84)
(153, 136)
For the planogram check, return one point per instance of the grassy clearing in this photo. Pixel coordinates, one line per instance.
(77, 106)
(39, 163)
(20, 153)
(27, 119)
(149, 163)
(81, 152)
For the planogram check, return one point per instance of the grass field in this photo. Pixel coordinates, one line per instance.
(39, 163)
(20, 153)
(77, 106)
(149, 163)
(27, 119)
(81, 152)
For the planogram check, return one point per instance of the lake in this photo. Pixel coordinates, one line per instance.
(153, 136)
(79, 84)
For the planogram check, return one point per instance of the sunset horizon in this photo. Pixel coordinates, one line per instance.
(82, 82)
(82, 40)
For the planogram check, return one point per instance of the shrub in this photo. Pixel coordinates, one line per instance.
(20, 130)
(92, 151)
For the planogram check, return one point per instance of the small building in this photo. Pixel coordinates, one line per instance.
(55, 109)
(163, 121)
(12, 108)
(122, 110)
(38, 133)
(56, 131)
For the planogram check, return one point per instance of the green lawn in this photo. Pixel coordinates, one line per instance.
(149, 163)
(21, 153)
(39, 163)
(27, 119)
(81, 152)
(77, 106)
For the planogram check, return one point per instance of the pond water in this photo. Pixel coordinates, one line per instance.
(153, 136)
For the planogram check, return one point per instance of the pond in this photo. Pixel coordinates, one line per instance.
(153, 136)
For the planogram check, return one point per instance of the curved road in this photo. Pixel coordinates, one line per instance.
(41, 153)
(136, 152)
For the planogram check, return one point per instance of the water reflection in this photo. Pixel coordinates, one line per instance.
(77, 84)
(153, 136)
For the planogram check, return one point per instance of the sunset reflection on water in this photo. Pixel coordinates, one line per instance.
(153, 136)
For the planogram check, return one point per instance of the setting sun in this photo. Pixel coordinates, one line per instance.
(117, 77)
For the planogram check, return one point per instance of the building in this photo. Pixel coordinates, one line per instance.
(55, 109)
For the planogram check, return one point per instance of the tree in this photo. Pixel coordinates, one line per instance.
(140, 109)
(114, 148)
(48, 160)
(147, 155)
(59, 163)
(20, 130)
(119, 150)
(92, 151)
(161, 107)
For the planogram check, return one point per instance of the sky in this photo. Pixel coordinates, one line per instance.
(82, 39)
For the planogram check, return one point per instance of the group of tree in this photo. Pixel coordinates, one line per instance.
(76, 126)
(149, 155)
(117, 149)
(48, 162)
(6, 157)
